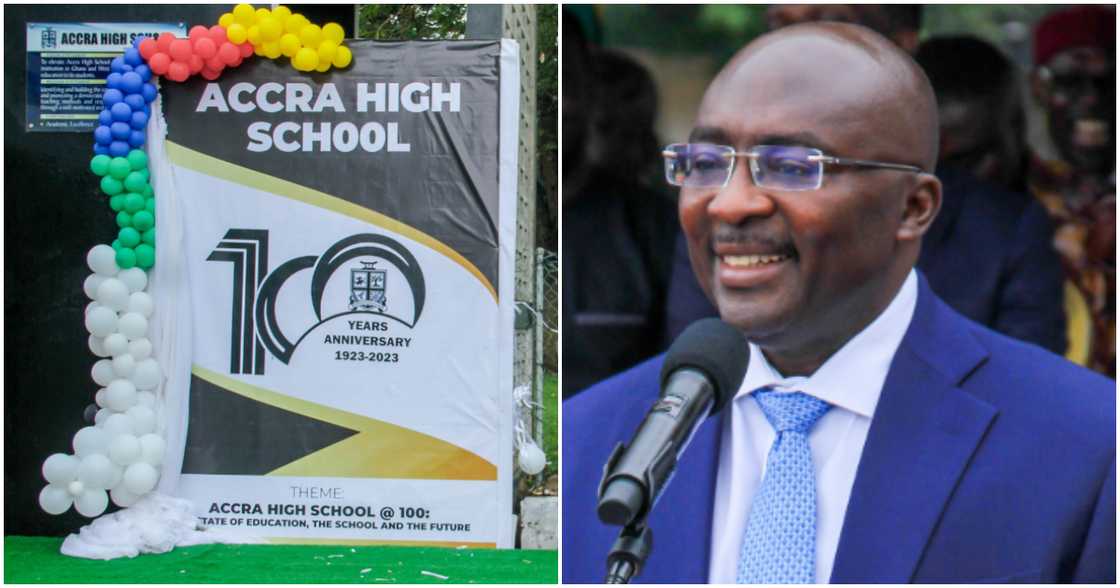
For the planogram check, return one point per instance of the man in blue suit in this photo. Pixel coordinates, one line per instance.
(878, 436)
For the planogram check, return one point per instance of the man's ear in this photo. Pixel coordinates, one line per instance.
(920, 207)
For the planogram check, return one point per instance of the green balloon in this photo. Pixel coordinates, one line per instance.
(143, 220)
(117, 245)
(119, 168)
(124, 219)
(116, 203)
(147, 174)
(145, 255)
(149, 236)
(126, 258)
(137, 159)
(135, 182)
(129, 237)
(150, 205)
(148, 193)
(133, 202)
(100, 164)
(111, 186)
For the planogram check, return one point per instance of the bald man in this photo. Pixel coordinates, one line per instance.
(878, 436)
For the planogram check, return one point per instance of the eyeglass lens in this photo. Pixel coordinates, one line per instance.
(704, 165)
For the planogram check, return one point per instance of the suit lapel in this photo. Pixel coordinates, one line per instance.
(682, 519)
(924, 432)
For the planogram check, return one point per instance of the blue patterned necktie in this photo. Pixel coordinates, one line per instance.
(779, 545)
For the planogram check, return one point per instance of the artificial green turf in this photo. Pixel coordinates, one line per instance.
(551, 410)
(37, 560)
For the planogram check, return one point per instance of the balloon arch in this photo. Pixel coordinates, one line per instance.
(119, 455)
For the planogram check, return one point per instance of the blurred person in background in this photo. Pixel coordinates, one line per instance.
(618, 229)
(1074, 80)
(988, 253)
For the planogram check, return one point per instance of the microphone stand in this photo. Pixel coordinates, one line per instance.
(629, 553)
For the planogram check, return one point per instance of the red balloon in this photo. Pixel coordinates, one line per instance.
(180, 50)
(163, 42)
(205, 48)
(211, 74)
(197, 32)
(195, 63)
(159, 63)
(218, 34)
(148, 48)
(178, 71)
(215, 63)
(238, 62)
(246, 49)
(229, 53)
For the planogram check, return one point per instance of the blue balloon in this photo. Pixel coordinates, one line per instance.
(149, 91)
(105, 117)
(117, 65)
(112, 96)
(131, 83)
(132, 56)
(139, 120)
(121, 112)
(148, 110)
(144, 72)
(99, 149)
(102, 135)
(119, 149)
(134, 101)
(120, 131)
(139, 39)
(136, 139)
(113, 81)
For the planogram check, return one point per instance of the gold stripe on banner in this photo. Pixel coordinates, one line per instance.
(313, 541)
(218, 168)
(379, 450)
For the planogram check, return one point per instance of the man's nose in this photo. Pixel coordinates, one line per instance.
(740, 199)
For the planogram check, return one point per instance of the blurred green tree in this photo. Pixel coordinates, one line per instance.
(392, 22)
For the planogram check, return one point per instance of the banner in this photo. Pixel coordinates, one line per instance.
(345, 371)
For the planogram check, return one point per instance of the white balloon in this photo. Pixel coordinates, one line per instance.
(99, 397)
(117, 424)
(122, 497)
(113, 293)
(143, 419)
(92, 283)
(60, 468)
(146, 399)
(75, 488)
(147, 375)
(101, 416)
(92, 305)
(133, 325)
(152, 447)
(54, 499)
(97, 346)
(90, 441)
(102, 372)
(116, 344)
(135, 278)
(124, 450)
(91, 503)
(140, 349)
(123, 365)
(102, 259)
(118, 475)
(95, 471)
(102, 321)
(531, 459)
(140, 478)
(141, 302)
(120, 395)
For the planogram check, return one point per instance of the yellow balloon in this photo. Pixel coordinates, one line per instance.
(326, 51)
(289, 44)
(271, 29)
(254, 35)
(225, 20)
(294, 23)
(333, 31)
(258, 50)
(323, 66)
(272, 49)
(281, 13)
(262, 13)
(342, 56)
(310, 35)
(306, 59)
(244, 14)
(237, 33)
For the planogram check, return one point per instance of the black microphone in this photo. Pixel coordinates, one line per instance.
(702, 370)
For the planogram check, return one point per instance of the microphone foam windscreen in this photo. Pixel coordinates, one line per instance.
(714, 348)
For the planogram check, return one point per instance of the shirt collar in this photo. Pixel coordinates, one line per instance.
(852, 378)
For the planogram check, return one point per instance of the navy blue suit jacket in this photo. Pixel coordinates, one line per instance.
(988, 459)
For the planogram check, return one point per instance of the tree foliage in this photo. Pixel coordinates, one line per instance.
(391, 22)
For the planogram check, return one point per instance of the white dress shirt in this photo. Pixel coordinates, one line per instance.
(851, 381)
